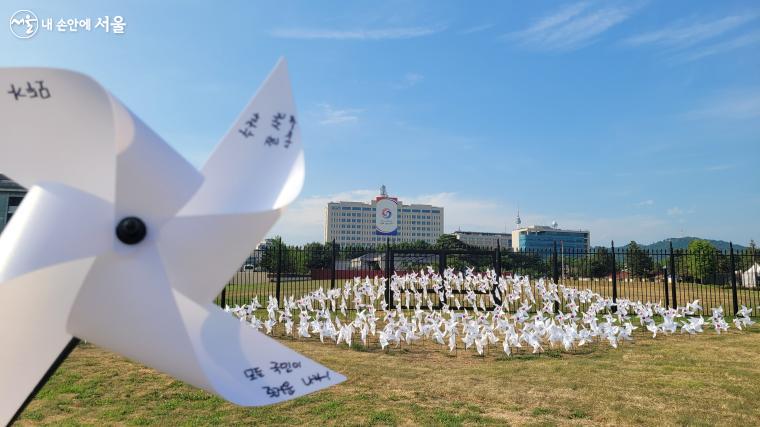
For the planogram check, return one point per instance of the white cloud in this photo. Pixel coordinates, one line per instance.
(677, 211)
(409, 80)
(720, 167)
(570, 28)
(742, 41)
(467, 213)
(683, 35)
(476, 29)
(303, 221)
(696, 40)
(332, 116)
(643, 203)
(356, 34)
(738, 104)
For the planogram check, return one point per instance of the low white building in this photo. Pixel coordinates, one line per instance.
(485, 240)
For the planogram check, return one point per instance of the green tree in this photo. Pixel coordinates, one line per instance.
(600, 264)
(450, 242)
(269, 254)
(462, 261)
(681, 260)
(703, 260)
(418, 244)
(638, 262)
(525, 263)
(294, 260)
(575, 266)
(750, 256)
(317, 255)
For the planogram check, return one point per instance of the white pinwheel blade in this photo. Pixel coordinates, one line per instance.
(64, 127)
(57, 125)
(245, 366)
(126, 305)
(214, 245)
(33, 313)
(54, 224)
(259, 163)
(201, 345)
(247, 182)
(152, 180)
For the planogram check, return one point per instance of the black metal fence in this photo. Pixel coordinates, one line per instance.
(717, 278)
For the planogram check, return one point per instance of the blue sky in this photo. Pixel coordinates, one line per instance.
(636, 120)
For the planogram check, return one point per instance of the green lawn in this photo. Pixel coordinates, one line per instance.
(676, 380)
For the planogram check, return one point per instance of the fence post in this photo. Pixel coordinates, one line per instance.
(442, 261)
(223, 301)
(392, 270)
(497, 261)
(665, 283)
(441, 269)
(497, 270)
(279, 271)
(674, 278)
(555, 266)
(332, 269)
(733, 279)
(614, 276)
(388, 268)
(555, 273)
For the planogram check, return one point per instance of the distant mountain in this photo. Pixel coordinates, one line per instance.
(683, 243)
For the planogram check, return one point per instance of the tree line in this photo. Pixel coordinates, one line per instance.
(701, 262)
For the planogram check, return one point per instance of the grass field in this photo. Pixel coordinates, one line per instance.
(677, 380)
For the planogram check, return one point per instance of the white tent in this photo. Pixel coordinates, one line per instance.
(751, 277)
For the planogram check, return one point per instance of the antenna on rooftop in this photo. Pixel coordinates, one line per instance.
(517, 220)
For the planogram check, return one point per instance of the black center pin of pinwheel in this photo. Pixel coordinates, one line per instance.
(131, 230)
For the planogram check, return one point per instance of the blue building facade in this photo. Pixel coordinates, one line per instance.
(542, 238)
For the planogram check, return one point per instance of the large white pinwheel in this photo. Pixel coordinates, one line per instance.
(121, 242)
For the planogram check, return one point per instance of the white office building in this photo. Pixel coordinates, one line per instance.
(484, 240)
(354, 223)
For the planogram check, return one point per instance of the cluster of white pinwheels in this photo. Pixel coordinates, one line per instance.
(477, 309)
